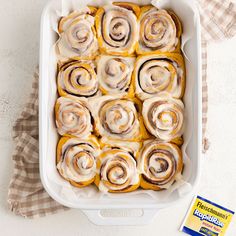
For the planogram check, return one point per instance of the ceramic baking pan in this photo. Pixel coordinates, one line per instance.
(92, 206)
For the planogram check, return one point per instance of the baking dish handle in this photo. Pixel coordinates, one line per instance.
(96, 217)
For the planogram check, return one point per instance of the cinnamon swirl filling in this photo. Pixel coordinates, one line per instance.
(160, 73)
(77, 78)
(117, 29)
(160, 163)
(77, 36)
(164, 117)
(114, 74)
(117, 171)
(76, 160)
(159, 31)
(72, 117)
(116, 118)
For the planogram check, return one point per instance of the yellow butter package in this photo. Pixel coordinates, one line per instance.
(206, 218)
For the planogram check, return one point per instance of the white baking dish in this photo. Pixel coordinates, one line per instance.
(187, 11)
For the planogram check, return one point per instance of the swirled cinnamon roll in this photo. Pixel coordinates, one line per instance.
(160, 164)
(77, 78)
(164, 117)
(160, 31)
(117, 171)
(114, 74)
(117, 28)
(115, 118)
(158, 73)
(77, 36)
(76, 160)
(73, 117)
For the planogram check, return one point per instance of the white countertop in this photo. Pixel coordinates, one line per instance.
(19, 45)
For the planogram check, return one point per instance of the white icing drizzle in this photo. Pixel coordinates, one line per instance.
(115, 118)
(118, 29)
(78, 38)
(84, 154)
(156, 74)
(161, 166)
(73, 117)
(158, 31)
(164, 117)
(78, 78)
(114, 73)
(117, 173)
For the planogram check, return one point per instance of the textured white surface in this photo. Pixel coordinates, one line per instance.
(19, 45)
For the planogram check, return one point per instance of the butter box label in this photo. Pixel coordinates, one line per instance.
(206, 218)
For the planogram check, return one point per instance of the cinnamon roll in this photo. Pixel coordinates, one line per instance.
(77, 78)
(114, 74)
(76, 160)
(154, 74)
(73, 117)
(160, 165)
(117, 28)
(77, 36)
(116, 118)
(117, 171)
(160, 31)
(164, 117)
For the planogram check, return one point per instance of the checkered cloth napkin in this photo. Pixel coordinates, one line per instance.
(27, 196)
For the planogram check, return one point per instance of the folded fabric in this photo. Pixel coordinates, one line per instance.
(26, 195)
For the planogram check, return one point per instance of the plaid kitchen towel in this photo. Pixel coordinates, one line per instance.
(218, 21)
(27, 196)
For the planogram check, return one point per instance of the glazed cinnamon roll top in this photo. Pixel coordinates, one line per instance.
(73, 117)
(159, 31)
(117, 28)
(154, 74)
(117, 171)
(160, 164)
(77, 36)
(164, 117)
(114, 74)
(115, 118)
(77, 78)
(76, 159)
